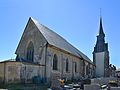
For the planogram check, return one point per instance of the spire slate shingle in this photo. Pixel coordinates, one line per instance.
(101, 32)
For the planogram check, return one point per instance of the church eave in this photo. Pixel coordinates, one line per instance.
(63, 50)
(80, 57)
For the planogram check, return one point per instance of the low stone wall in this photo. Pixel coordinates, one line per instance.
(103, 80)
(115, 88)
(17, 72)
(92, 87)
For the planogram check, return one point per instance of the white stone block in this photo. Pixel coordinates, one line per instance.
(92, 87)
(114, 88)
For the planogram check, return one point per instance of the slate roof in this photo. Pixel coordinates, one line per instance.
(58, 41)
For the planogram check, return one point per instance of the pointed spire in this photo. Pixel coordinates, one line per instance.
(101, 27)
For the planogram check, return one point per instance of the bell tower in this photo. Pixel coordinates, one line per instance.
(101, 54)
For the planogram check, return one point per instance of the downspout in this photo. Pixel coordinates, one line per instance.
(45, 60)
(84, 69)
(62, 66)
(72, 70)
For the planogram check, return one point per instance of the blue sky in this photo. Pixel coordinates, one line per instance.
(75, 20)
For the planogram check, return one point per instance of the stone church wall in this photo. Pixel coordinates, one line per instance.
(61, 72)
(19, 72)
(32, 34)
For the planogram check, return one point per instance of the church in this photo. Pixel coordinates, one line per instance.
(44, 54)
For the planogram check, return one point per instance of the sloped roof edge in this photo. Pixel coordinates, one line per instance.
(56, 40)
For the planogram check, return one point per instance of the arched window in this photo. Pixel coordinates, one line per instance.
(87, 70)
(75, 67)
(55, 62)
(30, 52)
(67, 66)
